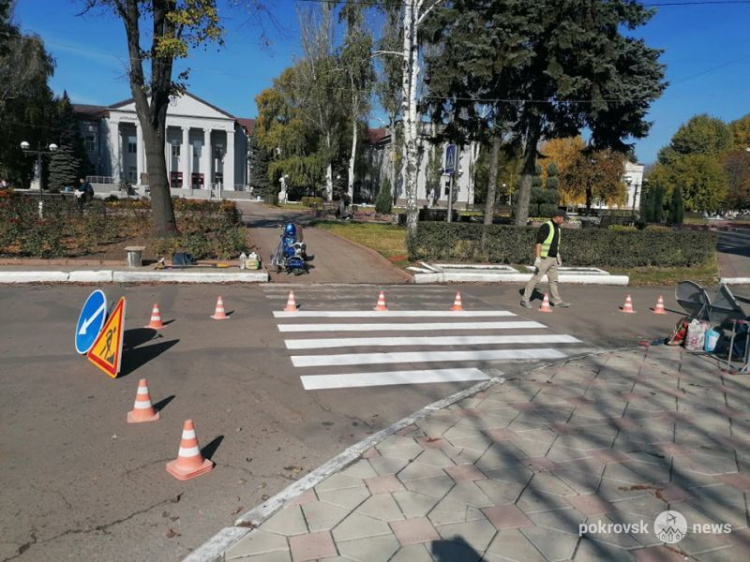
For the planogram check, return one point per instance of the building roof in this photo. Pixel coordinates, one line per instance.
(90, 112)
(246, 122)
(375, 136)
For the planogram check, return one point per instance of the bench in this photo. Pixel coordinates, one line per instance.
(135, 255)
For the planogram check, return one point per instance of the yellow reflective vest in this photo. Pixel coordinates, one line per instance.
(548, 241)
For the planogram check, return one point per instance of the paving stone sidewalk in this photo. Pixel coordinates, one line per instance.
(511, 473)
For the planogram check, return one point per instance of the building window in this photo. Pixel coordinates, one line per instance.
(132, 146)
(89, 143)
(133, 174)
(175, 150)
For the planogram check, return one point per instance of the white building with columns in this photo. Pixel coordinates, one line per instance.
(206, 148)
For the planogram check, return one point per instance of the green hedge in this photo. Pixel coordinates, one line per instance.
(462, 242)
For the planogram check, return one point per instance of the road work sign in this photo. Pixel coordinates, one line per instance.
(91, 320)
(106, 353)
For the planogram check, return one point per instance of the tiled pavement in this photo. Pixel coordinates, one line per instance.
(512, 472)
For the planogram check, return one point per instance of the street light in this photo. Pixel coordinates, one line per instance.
(26, 147)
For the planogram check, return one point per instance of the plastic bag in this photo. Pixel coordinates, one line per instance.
(712, 338)
(696, 335)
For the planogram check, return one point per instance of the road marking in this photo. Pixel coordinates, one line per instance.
(321, 382)
(425, 326)
(427, 340)
(392, 314)
(425, 357)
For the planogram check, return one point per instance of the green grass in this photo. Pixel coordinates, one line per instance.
(386, 239)
(390, 242)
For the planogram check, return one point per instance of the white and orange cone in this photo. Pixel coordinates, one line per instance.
(142, 411)
(457, 306)
(219, 313)
(659, 308)
(291, 305)
(189, 462)
(545, 304)
(155, 323)
(628, 306)
(381, 307)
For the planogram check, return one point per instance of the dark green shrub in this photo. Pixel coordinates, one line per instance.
(384, 200)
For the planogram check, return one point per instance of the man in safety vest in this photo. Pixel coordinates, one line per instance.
(547, 260)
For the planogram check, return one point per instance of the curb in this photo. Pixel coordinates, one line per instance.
(214, 549)
(116, 276)
(454, 277)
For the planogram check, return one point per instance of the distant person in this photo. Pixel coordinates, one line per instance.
(547, 260)
(84, 191)
(3, 184)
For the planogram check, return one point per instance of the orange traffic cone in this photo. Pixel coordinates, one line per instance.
(142, 411)
(381, 307)
(457, 303)
(155, 323)
(291, 305)
(219, 312)
(189, 462)
(628, 306)
(545, 304)
(659, 308)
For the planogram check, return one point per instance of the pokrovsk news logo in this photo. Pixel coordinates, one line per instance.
(669, 527)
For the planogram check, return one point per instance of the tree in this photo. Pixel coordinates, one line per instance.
(389, 65)
(434, 172)
(700, 135)
(737, 168)
(414, 14)
(563, 153)
(320, 86)
(557, 67)
(172, 27)
(740, 130)
(676, 213)
(384, 200)
(595, 174)
(357, 62)
(72, 154)
(260, 159)
(701, 177)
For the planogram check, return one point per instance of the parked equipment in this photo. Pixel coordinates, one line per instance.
(291, 253)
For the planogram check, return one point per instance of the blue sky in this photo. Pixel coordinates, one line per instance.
(705, 43)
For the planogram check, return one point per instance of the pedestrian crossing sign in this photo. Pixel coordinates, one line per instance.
(106, 353)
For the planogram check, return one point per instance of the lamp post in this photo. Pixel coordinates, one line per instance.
(26, 147)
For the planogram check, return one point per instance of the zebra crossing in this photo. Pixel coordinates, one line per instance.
(408, 347)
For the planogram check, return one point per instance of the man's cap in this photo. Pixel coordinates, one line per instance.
(560, 213)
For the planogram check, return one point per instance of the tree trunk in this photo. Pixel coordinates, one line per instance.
(410, 118)
(527, 172)
(489, 204)
(352, 160)
(329, 171)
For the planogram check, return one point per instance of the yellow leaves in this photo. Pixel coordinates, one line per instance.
(191, 23)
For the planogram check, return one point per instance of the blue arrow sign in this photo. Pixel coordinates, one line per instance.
(450, 159)
(91, 321)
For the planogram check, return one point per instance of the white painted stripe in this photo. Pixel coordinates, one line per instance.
(424, 357)
(427, 340)
(188, 434)
(142, 405)
(189, 452)
(320, 382)
(426, 327)
(142, 390)
(392, 314)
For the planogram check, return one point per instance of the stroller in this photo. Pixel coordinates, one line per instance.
(291, 254)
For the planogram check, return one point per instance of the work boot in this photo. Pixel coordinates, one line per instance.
(562, 304)
(527, 304)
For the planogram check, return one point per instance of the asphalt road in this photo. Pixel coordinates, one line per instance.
(80, 483)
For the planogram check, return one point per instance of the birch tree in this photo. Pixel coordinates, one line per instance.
(357, 62)
(321, 83)
(415, 12)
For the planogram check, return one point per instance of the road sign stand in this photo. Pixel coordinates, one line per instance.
(106, 353)
(90, 321)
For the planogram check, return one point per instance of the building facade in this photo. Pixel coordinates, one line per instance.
(206, 147)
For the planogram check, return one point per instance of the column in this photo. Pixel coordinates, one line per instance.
(140, 149)
(115, 153)
(206, 158)
(229, 163)
(186, 153)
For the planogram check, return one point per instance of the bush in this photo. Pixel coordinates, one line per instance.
(589, 247)
(316, 202)
(384, 201)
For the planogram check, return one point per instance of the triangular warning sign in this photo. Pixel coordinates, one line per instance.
(106, 353)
